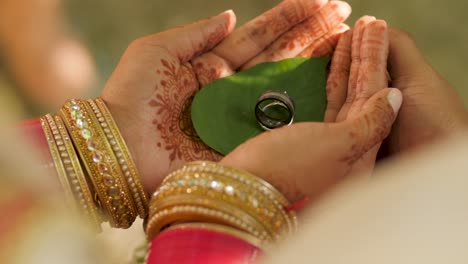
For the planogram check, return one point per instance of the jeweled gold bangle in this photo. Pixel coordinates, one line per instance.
(80, 186)
(222, 229)
(54, 151)
(114, 170)
(253, 194)
(259, 184)
(221, 188)
(100, 163)
(183, 208)
(121, 151)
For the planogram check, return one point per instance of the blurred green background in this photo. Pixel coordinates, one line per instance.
(108, 26)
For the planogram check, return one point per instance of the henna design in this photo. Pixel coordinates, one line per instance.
(210, 67)
(370, 130)
(213, 39)
(304, 34)
(326, 44)
(173, 121)
(337, 81)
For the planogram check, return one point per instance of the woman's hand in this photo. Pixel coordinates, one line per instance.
(150, 92)
(432, 110)
(305, 158)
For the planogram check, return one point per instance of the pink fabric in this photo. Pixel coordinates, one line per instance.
(200, 246)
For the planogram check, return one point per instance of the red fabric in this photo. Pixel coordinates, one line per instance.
(200, 246)
(298, 205)
(33, 132)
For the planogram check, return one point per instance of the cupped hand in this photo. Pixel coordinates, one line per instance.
(306, 158)
(359, 70)
(432, 109)
(150, 92)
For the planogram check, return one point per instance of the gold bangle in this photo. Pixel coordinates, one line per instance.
(212, 193)
(261, 185)
(251, 194)
(198, 208)
(224, 230)
(97, 157)
(121, 151)
(114, 170)
(54, 151)
(80, 186)
(221, 188)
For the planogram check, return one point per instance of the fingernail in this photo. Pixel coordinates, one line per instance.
(395, 99)
(226, 12)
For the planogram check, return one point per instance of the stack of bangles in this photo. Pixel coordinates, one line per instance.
(94, 165)
(100, 179)
(211, 196)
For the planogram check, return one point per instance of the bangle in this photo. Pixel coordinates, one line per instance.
(261, 198)
(80, 186)
(97, 156)
(121, 151)
(209, 192)
(54, 142)
(226, 190)
(93, 163)
(199, 209)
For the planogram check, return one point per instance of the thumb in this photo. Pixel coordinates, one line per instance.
(187, 41)
(375, 121)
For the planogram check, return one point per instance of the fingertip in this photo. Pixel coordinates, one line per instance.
(379, 24)
(364, 20)
(344, 7)
(231, 19)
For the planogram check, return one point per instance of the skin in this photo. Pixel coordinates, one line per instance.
(150, 92)
(433, 110)
(369, 47)
(48, 64)
(314, 156)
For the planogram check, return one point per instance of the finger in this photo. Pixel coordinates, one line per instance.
(405, 59)
(189, 40)
(374, 54)
(210, 67)
(305, 34)
(326, 44)
(372, 75)
(358, 33)
(374, 123)
(252, 38)
(337, 83)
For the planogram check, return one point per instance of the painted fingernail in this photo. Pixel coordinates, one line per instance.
(395, 99)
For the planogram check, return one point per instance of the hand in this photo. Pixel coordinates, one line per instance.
(150, 92)
(358, 70)
(306, 158)
(432, 109)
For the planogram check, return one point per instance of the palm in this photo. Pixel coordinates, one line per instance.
(172, 119)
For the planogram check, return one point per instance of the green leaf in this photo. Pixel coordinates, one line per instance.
(223, 111)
